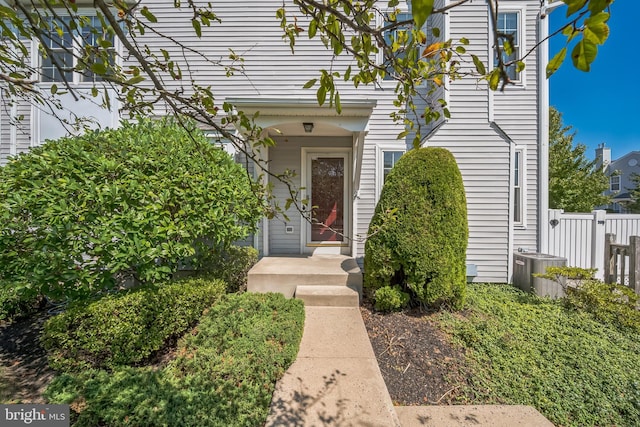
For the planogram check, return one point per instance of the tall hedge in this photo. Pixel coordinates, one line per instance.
(422, 247)
(78, 213)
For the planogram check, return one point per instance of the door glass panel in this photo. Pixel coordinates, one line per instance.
(327, 197)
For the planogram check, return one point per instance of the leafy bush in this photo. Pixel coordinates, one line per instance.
(127, 327)
(390, 298)
(424, 249)
(612, 304)
(80, 213)
(224, 375)
(231, 265)
(16, 300)
(526, 350)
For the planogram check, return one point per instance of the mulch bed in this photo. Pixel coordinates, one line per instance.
(418, 363)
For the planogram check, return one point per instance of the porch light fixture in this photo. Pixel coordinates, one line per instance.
(308, 127)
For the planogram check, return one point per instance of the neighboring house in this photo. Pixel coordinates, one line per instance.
(498, 138)
(619, 172)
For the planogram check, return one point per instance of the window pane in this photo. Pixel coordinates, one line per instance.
(59, 42)
(390, 158)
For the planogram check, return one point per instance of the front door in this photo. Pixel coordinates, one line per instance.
(327, 188)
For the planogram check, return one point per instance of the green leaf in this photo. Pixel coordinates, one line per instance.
(583, 54)
(421, 10)
(556, 61)
(134, 80)
(99, 68)
(574, 5)
(338, 104)
(310, 83)
(197, 27)
(435, 31)
(494, 79)
(479, 65)
(147, 14)
(321, 95)
(596, 28)
(94, 91)
(597, 6)
(54, 89)
(313, 27)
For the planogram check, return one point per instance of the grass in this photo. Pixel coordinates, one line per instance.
(575, 369)
(224, 373)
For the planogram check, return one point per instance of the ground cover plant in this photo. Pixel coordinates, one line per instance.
(418, 234)
(575, 368)
(224, 372)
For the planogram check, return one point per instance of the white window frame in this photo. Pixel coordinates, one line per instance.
(77, 79)
(519, 198)
(615, 178)
(520, 10)
(380, 165)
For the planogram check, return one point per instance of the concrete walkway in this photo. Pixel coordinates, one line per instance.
(336, 381)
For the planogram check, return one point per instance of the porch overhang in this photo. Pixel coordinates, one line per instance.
(276, 113)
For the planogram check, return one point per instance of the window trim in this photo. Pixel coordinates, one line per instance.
(611, 183)
(520, 9)
(77, 79)
(381, 149)
(519, 182)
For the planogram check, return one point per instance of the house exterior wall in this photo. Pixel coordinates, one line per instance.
(624, 167)
(483, 132)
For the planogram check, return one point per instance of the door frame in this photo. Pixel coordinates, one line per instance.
(343, 247)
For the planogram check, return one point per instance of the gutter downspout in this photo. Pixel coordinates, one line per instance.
(543, 130)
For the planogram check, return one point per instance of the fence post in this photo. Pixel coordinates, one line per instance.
(552, 232)
(597, 242)
(608, 260)
(634, 263)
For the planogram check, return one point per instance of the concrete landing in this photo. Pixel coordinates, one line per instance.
(335, 380)
(471, 415)
(284, 274)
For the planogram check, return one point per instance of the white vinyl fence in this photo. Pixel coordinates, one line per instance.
(580, 237)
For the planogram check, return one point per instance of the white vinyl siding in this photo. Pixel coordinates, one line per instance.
(271, 71)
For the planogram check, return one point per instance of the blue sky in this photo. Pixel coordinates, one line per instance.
(602, 105)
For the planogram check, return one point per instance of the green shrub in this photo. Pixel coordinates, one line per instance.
(422, 249)
(17, 300)
(224, 375)
(390, 298)
(80, 213)
(126, 327)
(612, 304)
(231, 265)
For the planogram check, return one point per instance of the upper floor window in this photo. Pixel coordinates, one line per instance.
(397, 35)
(508, 29)
(614, 182)
(66, 49)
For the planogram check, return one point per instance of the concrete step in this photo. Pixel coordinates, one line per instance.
(328, 296)
(285, 273)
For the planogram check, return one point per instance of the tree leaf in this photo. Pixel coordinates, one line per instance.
(310, 83)
(421, 10)
(147, 14)
(556, 61)
(583, 54)
(574, 5)
(479, 65)
(197, 27)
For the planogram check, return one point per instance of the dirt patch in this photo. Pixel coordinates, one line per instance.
(418, 363)
(24, 372)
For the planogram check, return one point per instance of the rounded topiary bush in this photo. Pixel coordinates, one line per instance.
(80, 214)
(418, 234)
